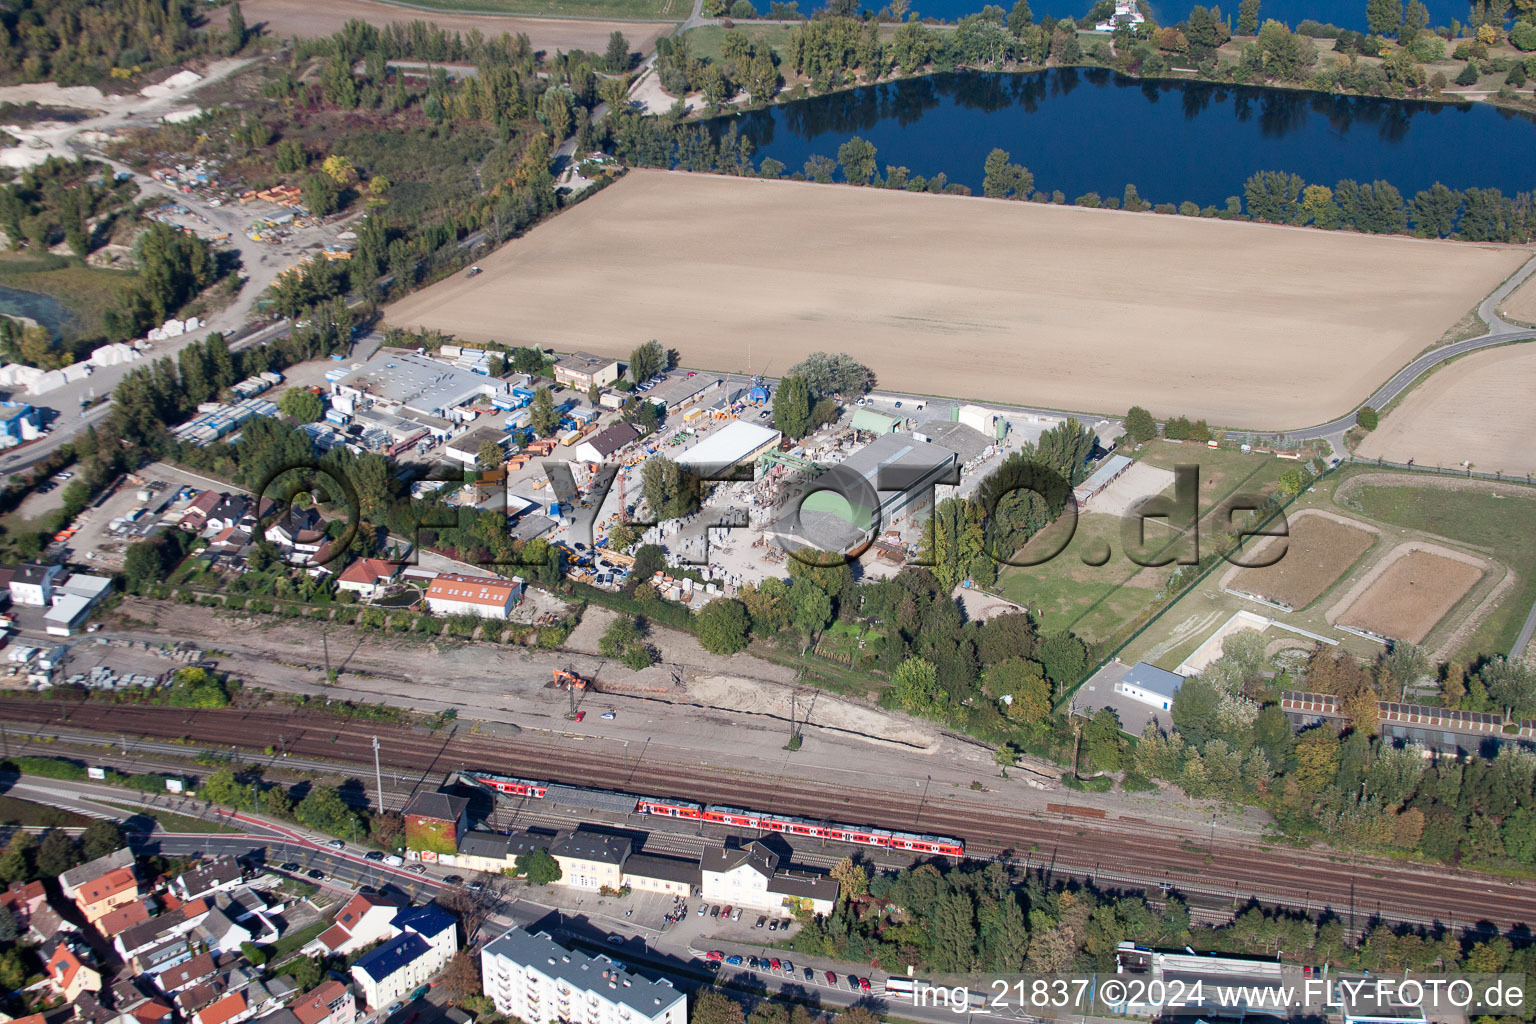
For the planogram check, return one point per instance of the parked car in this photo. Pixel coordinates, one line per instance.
(733, 960)
(374, 855)
(417, 869)
(774, 963)
(736, 914)
(615, 940)
(810, 974)
(714, 911)
(714, 954)
(609, 716)
(336, 844)
(454, 880)
(853, 981)
(864, 984)
(773, 925)
(703, 909)
(315, 873)
(789, 968)
(762, 919)
(290, 866)
(831, 979)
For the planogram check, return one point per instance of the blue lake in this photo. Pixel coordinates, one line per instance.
(1345, 13)
(1094, 131)
(43, 308)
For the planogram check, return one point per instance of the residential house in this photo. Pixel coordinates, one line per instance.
(23, 900)
(139, 1005)
(99, 897)
(490, 597)
(47, 923)
(184, 975)
(330, 1003)
(132, 943)
(298, 533)
(590, 860)
(532, 978)
(222, 874)
(387, 974)
(362, 922)
(218, 932)
(435, 925)
(233, 511)
(129, 915)
(32, 584)
(368, 577)
(72, 879)
(229, 1009)
(195, 518)
(69, 974)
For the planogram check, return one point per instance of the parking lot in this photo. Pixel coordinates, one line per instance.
(98, 544)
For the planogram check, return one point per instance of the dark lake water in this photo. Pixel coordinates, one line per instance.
(1094, 131)
(1344, 13)
(42, 308)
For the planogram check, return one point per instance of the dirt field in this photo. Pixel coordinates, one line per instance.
(1411, 595)
(1063, 307)
(1477, 409)
(1320, 549)
(1521, 304)
(284, 18)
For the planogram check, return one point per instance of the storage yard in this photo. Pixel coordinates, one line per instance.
(1249, 325)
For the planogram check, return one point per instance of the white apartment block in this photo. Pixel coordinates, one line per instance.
(531, 977)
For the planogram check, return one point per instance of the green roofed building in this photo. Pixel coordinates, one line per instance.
(873, 421)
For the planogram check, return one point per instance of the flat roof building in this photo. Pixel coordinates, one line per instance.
(1109, 470)
(731, 445)
(679, 391)
(1150, 685)
(405, 380)
(583, 369)
(531, 977)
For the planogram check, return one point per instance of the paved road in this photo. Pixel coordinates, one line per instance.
(1500, 332)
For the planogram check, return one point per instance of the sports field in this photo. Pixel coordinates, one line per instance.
(283, 18)
(1411, 593)
(1061, 307)
(1319, 550)
(1477, 410)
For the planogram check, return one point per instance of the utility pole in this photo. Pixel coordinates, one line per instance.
(378, 776)
(326, 647)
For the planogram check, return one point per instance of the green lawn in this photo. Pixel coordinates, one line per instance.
(1503, 526)
(616, 10)
(27, 813)
(705, 41)
(1098, 601)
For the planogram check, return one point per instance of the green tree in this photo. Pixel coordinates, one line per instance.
(143, 564)
(323, 810)
(714, 1007)
(543, 417)
(810, 606)
(722, 626)
(858, 159)
(301, 405)
(321, 196)
(539, 867)
(1140, 425)
(672, 491)
(234, 34)
(306, 972)
(1468, 75)
(1064, 657)
(8, 929)
(1003, 179)
(1274, 196)
(647, 361)
(915, 688)
(290, 156)
(616, 58)
(16, 860)
(57, 853)
(100, 838)
(253, 953)
(1248, 17)
(792, 407)
(1384, 17)
(490, 456)
(1367, 418)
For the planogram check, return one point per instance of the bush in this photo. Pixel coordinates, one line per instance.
(1366, 417)
(1523, 35)
(1468, 75)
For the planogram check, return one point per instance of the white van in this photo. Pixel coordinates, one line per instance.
(394, 861)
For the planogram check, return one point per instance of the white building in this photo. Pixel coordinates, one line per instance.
(1150, 685)
(750, 877)
(531, 977)
(426, 939)
(33, 584)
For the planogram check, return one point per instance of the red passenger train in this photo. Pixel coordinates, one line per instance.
(783, 823)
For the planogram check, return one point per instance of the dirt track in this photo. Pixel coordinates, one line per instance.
(284, 18)
(1477, 409)
(1062, 307)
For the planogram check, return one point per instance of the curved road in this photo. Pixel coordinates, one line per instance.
(1500, 332)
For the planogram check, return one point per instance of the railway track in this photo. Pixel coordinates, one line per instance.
(1113, 852)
